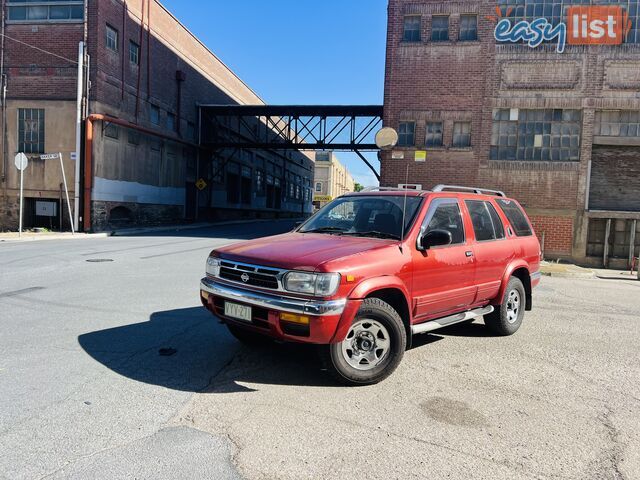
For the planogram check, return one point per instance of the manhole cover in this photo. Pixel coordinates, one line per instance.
(99, 260)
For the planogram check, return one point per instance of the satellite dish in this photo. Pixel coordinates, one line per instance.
(386, 138)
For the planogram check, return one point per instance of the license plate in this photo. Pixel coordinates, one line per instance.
(240, 312)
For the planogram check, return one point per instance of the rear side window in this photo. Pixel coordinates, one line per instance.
(516, 217)
(486, 221)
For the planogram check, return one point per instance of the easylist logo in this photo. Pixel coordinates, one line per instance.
(599, 25)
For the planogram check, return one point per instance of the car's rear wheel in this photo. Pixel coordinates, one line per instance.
(507, 317)
(247, 337)
(373, 347)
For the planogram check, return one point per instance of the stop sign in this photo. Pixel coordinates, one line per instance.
(21, 161)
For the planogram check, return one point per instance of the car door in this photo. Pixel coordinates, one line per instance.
(443, 277)
(491, 249)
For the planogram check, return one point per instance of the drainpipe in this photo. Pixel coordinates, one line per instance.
(88, 155)
(3, 92)
(80, 95)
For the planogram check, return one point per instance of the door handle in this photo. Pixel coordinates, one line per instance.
(469, 254)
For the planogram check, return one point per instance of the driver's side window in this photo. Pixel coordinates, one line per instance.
(447, 217)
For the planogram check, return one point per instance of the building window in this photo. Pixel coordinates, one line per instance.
(434, 134)
(133, 137)
(31, 130)
(171, 121)
(111, 38)
(468, 28)
(260, 182)
(110, 130)
(406, 134)
(191, 131)
(154, 115)
(544, 135)
(318, 187)
(617, 123)
(412, 28)
(462, 134)
(134, 53)
(440, 28)
(45, 11)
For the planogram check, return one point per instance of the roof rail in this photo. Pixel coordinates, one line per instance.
(442, 188)
(390, 189)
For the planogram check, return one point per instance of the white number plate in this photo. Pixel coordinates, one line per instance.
(241, 312)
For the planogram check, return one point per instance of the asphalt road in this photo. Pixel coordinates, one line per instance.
(85, 392)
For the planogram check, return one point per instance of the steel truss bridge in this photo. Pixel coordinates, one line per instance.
(295, 127)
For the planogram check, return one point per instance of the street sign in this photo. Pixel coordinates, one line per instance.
(201, 184)
(21, 161)
(49, 156)
(322, 198)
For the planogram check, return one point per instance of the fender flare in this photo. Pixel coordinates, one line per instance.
(364, 289)
(512, 267)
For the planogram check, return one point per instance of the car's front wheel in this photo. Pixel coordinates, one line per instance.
(373, 347)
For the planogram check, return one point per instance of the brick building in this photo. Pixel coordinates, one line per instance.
(553, 119)
(139, 151)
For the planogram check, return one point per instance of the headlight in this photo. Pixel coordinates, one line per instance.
(213, 266)
(318, 284)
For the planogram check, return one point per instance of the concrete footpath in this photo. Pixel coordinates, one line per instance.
(121, 232)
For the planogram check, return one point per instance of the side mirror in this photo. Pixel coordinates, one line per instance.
(435, 238)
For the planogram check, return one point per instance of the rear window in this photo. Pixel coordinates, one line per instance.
(516, 216)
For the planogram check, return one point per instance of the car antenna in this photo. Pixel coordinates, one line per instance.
(404, 209)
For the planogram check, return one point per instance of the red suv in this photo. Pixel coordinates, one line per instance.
(372, 269)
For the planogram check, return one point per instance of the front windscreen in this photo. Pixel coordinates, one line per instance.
(365, 216)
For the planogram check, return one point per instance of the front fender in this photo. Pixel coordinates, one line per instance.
(362, 291)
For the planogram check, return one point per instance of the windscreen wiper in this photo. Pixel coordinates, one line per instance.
(325, 230)
(374, 233)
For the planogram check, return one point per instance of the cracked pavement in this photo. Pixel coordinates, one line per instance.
(85, 393)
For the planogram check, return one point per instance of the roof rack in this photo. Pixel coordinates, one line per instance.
(442, 188)
(390, 189)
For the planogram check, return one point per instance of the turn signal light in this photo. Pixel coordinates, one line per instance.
(294, 318)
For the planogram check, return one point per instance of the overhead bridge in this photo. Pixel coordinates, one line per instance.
(291, 127)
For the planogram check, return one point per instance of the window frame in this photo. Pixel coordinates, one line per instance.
(431, 211)
(468, 15)
(453, 135)
(318, 190)
(433, 30)
(410, 38)
(413, 133)
(41, 132)
(11, 4)
(485, 203)
(110, 28)
(427, 133)
(135, 52)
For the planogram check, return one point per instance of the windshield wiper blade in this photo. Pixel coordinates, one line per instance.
(374, 233)
(325, 230)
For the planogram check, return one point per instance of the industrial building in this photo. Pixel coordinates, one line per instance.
(539, 98)
(137, 81)
(332, 179)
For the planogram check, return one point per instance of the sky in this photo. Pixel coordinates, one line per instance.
(328, 52)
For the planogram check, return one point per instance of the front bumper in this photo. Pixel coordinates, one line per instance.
(324, 315)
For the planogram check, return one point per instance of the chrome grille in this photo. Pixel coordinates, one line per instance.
(244, 274)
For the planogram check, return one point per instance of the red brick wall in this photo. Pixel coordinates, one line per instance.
(558, 233)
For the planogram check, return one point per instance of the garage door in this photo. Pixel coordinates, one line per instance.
(615, 179)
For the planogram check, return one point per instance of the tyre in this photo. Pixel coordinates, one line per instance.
(507, 317)
(247, 337)
(373, 347)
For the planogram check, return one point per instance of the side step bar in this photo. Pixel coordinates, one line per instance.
(432, 325)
